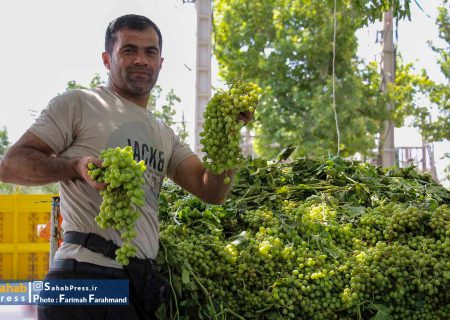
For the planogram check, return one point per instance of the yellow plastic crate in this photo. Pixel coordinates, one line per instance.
(23, 254)
(6, 266)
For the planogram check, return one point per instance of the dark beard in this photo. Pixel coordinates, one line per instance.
(132, 90)
(136, 90)
(141, 89)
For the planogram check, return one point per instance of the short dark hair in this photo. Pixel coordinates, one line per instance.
(130, 21)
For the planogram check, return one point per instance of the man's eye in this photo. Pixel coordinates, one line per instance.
(128, 51)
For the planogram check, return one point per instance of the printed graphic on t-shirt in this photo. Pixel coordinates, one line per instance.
(152, 157)
(135, 134)
(152, 186)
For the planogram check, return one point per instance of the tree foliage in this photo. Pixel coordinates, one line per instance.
(287, 48)
(8, 188)
(421, 99)
(424, 101)
(4, 141)
(95, 81)
(438, 128)
(372, 10)
(410, 95)
(166, 111)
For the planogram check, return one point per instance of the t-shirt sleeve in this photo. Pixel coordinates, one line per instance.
(58, 123)
(180, 152)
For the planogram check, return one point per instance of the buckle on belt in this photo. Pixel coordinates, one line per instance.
(110, 249)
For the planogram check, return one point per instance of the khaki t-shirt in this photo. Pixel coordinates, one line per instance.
(84, 122)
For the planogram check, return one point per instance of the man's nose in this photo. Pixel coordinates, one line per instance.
(140, 58)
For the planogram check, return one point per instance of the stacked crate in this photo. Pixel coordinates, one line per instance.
(23, 254)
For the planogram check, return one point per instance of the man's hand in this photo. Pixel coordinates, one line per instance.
(82, 168)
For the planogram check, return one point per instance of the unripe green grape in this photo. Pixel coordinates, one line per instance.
(221, 128)
(121, 197)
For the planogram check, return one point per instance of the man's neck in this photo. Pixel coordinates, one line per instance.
(141, 101)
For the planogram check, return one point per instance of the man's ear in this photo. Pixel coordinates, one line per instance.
(106, 60)
(161, 63)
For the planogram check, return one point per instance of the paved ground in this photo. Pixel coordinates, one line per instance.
(25, 312)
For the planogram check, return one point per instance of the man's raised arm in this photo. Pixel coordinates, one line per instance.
(30, 161)
(192, 176)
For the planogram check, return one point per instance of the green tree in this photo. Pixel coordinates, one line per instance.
(422, 100)
(438, 127)
(287, 48)
(372, 10)
(95, 81)
(166, 111)
(4, 142)
(182, 129)
(447, 169)
(410, 95)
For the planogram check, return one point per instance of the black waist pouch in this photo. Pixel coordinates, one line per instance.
(151, 289)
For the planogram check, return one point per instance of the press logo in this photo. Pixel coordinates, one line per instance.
(38, 285)
(71, 291)
(13, 287)
(14, 292)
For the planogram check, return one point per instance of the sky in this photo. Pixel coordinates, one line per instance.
(47, 43)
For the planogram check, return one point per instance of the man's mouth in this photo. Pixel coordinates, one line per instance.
(140, 73)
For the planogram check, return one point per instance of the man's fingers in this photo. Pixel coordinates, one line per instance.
(96, 161)
(96, 185)
(83, 167)
(99, 186)
(245, 116)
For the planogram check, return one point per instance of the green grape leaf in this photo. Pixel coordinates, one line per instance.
(185, 276)
(382, 316)
(382, 312)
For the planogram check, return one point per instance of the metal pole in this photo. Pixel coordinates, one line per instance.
(247, 143)
(386, 155)
(55, 235)
(203, 70)
(432, 166)
(424, 155)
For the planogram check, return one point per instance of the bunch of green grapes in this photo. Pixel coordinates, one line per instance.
(221, 129)
(121, 197)
(295, 264)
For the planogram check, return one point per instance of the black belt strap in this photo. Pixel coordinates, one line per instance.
(93, 242)
(137, 268)
(84, 267)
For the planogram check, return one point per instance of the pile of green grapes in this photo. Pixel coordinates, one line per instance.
(221, 129)
(304, 241)
(121, 196)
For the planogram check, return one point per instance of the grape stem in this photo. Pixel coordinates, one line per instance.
(227, 310)
(177, 314)
(197, 279)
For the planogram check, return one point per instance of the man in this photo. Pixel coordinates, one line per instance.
(72, 131)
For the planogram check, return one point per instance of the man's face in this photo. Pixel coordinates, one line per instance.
(135, 61)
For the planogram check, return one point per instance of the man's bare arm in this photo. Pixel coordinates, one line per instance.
(30, 161)
(192, 176)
